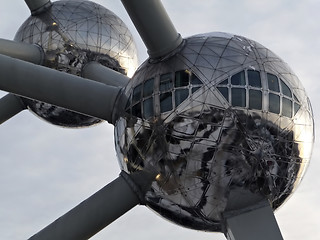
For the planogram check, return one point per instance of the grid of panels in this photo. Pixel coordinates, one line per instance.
(244, 90)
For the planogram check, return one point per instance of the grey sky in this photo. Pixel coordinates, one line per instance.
(47, 170)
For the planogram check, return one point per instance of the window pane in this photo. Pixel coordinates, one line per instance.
(238, 96)
(285, 89)
(273, 82)
(181, 79)
(225, 82)
(166, 82)
(181, 95)
(255, 99)
(274, 103)
(254, 78)
(238, 79)
(224, 92)
(296, 108)
(148, 108)
(195, 89)
(136, 94)
(165, 102)
(148, 88)
(136, 110)
(286, 107)
(195, 80)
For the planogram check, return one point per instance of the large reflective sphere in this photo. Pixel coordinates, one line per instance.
(73, 33)
(225, 122)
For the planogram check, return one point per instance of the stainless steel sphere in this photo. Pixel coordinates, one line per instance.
(225, 122)
(73, 33)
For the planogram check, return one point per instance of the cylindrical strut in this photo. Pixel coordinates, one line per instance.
(99, 210)
(58, 88)
(23, 51)
(10, 105)
(154, 26)
(38, 6)
(100, 73)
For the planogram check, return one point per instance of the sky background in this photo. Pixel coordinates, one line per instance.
(47, 170)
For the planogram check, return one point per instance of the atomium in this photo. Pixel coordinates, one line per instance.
(222, 119)
(72, 34)
(210, 128)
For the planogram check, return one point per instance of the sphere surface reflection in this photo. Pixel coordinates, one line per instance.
(222, 121)
(73, 33)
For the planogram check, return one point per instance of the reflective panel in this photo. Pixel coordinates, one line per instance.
(274, 103)
(254, 78)
(255, 99)
(136, 97)
(286, 107)
(166, 82)
(238, 79)
(165, 102)
(227, 138)
(181, 95)
(181, 79)
(148, 87)
(148, 110)
(273, 82)
(238, 97)
(73, 33)
(285, 89)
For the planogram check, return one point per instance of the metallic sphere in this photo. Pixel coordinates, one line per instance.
(224, 121)
(73, 33)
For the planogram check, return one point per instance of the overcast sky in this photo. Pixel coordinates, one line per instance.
(47, 170)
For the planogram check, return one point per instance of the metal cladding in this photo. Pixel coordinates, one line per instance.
(73, 33)
(223, 119)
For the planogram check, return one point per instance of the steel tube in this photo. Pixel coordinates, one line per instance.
(98, 211)
(154, 26)
(10, 105)
(38, 6)
(100, 73)
(58, 88)
(254, 222)
(27, 52)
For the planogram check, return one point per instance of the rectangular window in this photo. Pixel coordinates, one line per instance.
(254, 78)
(165, 102)
(181, 79)
(285, 89)
(296, 108)
(181, 95)
(255, 99)
(148, 108)
(136, 110)
(274, 103)
(286, 107)
(273, 82)
(148, 88)
(224, 92)
(238, 79)
(238, 97)
(136, 97)
(166, 83)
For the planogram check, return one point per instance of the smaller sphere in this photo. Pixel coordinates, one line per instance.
(73, 33)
